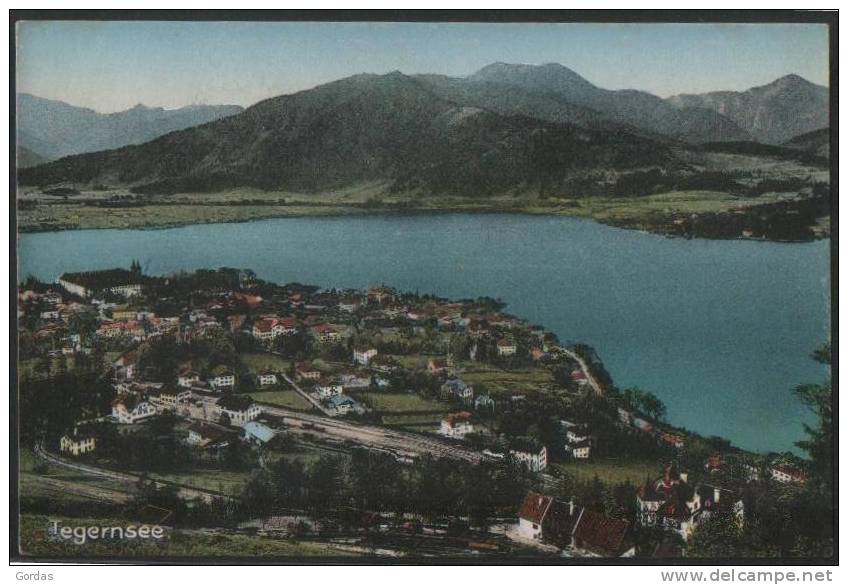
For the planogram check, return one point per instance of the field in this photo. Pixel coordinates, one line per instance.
(407, 411)
(611, 471)
(490, 378)
(55, 482)
(177, 543)
(282, 398)
(256, 362)
(223, 482)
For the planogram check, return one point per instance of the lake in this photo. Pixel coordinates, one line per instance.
(720, 330)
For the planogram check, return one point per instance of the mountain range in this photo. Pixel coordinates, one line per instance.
(504, 127)
(51, 129)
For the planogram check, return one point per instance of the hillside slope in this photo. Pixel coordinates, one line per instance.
(362, 128)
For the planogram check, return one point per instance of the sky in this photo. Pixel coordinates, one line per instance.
(112, 66)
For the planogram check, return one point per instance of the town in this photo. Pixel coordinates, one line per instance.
(363, 422)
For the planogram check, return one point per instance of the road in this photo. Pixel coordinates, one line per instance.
(306, 396)
(583, 366)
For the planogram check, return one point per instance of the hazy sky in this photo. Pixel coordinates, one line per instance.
(110, 66)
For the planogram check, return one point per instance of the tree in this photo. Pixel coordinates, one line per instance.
(646, 402)
(818, 398)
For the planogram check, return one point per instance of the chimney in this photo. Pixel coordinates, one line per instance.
(571, 506)
(684, 477)
(716, 494)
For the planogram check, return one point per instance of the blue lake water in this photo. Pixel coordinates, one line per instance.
(720, 330)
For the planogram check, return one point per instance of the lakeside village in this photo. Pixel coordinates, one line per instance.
(406, 420)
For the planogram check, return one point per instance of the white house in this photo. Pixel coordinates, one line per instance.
(457, 426)
(506, 347)
(238, 408)
(267, 328)
(364, 356)
(77, 443)
(532, 515)
(530, 458)
(326, 333)
(116, 280)
(305, 371)
(786, 474)
(456, 388)
(188, 378)
(222, 379)
(581, 450)
(128, 410)
(341, 404)
(267, 378)
(168, 397)
(123, 369)
(327, 388)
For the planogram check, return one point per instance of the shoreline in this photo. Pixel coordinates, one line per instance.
(332, 210)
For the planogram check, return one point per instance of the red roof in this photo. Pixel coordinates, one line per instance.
(600, 533)
(325, 328)
(458, 418)
(534, 507)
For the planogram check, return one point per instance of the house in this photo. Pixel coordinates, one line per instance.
(787, 474)
(326, 388)
(567, 526)
(574, 433)
(238, 409)
(672, 439)
(305, 371)
(269, 328)
(579, 377)
(339, 404)
(581, 450)
(457, 389)
(651, 495)
(124, 313)
(506, 347)
(672, 504)
(129, 410)
(714, 463)
(598, 535)
(117, 281)
(326, 333)
(350, 304)
(378, 294)
(222, 378)
(187, 378)
(207, 436)
(168, 397)
(364, 356)
(257, 433)
(531, 515)
(78, 442)
(266, 378)
(531, 456)
(123, 369)
(457, 426)
(643, 425)
(484, 403)
(437, 366)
